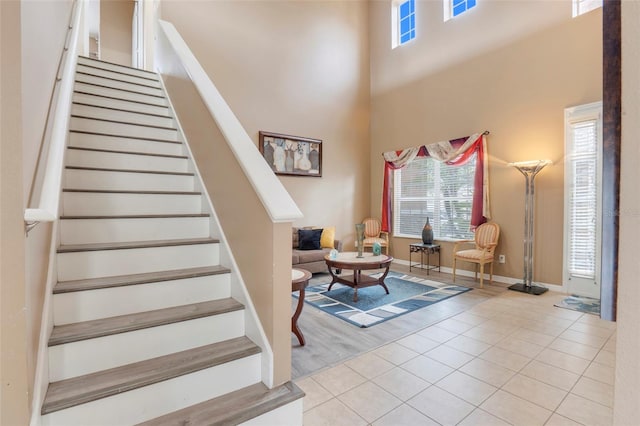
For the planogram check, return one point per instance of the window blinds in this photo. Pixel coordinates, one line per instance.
(444, 194)
(583, 199)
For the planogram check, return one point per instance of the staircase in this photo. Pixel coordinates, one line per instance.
(145, 330)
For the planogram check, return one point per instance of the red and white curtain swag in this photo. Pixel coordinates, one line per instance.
(456, 152)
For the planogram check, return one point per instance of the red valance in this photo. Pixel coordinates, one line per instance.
(456, 152)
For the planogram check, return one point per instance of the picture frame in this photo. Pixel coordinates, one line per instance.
(291, 155)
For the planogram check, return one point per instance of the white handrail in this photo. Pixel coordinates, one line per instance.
(274, 197)
(47, 208)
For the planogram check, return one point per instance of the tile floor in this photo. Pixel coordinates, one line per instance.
(513, 359)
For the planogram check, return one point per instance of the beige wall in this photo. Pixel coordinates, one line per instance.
(517, 90)
(116, 23)
(627, 384)
(14, 399)
(299, 68)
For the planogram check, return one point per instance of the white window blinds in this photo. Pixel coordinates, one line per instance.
(444, 194)
(583, 200)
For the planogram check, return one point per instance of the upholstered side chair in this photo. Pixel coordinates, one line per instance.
(373, 234)
(485, 240)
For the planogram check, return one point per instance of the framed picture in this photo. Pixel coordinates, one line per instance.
(291, 155)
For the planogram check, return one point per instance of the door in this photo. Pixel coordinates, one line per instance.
(583, 200)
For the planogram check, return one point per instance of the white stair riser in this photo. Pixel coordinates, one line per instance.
(94, 179)
(114, 114)
(161, 398)
(105, 263)
(89, 305)
(117, 75)
(121, 104)
(94, 204)
(120, 129)
(115, 67)
(117, 84)
(120, 161)
(115, 143)
(119, 94)
(289, 414)
(89, 356)
(89, 231)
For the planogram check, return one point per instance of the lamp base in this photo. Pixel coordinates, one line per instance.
(530, 289)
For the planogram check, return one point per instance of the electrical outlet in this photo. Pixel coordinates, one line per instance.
(502, 258)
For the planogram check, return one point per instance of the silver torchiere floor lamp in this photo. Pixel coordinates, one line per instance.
(529, 169)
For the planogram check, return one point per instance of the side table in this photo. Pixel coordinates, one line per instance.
(422, 249)
(299, 282)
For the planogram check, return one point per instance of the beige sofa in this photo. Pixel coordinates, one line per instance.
(311, 260)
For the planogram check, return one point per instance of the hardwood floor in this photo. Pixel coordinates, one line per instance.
(330, 340)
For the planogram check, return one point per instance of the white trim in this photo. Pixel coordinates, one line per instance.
(506, 280)
(275, 198)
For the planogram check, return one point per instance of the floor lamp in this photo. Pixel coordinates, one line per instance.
(529, 169)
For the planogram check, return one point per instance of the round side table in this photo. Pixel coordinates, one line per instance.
(299, 282)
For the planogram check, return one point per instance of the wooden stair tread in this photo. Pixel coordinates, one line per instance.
(233, 408)
(138, 216)
(113, 151)
(150, 86)
(72, 248)
(115, 191)
(130, 123)
(82, 92)
(154, 172)
(100, 61)
(86, 330)
(135, 92)
(83, 389)
(122, 110)
(111, 135)
(134, 279)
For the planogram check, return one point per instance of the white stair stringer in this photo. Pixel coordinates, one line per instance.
(146, 322)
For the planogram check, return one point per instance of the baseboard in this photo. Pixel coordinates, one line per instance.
(499, 278)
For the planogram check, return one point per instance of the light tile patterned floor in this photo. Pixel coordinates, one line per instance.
(513, 359)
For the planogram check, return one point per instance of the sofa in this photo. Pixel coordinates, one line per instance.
(309, 254)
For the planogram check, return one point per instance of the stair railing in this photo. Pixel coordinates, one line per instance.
(48, 204)
(274, 197)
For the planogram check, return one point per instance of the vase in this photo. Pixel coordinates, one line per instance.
(427, 233)
(360, 238)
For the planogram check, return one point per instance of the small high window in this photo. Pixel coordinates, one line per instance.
(453, 8)
(581, 7)
(404, 22)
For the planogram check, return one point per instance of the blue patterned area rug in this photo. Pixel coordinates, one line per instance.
(374, 306)
(580, 304)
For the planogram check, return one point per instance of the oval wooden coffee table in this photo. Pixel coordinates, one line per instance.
(299, 281)
(349, 260)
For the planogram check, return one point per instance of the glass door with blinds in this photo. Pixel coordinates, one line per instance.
(582, 206)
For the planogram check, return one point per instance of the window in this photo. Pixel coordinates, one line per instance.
(404, 22)
(453, 8)
(444, 194)
(583, 145)
(581, 7)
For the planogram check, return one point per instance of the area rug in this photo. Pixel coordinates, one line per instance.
(581, 304)
(374, 306)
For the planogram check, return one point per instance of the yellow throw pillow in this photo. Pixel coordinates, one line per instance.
(328, 236)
